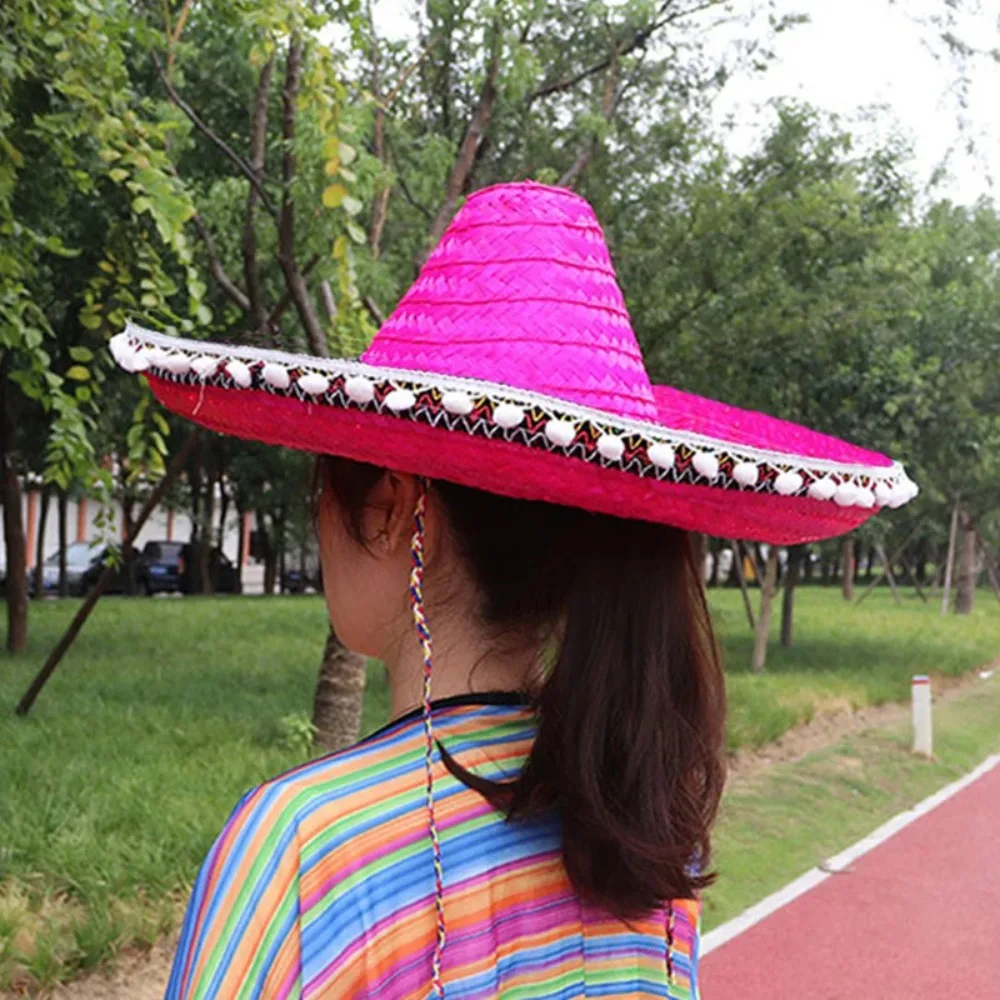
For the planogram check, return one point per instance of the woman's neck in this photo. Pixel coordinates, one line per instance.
(458, 667)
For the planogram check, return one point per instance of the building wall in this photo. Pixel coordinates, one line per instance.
(81, 526)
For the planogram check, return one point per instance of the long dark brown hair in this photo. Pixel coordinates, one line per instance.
(631, 712)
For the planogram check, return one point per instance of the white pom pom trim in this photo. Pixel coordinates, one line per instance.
(507, 416)
(611, 447)
(178, 364)
(883, 494)
(788, 483)
(156, 356)
(661, 455)
(560, 432)
(205, 366)
(822, 489)
(313, 383)
(118, 344)
(399, 400)
(865, 498)
(706, 465)
(846, 495)
(746, 473)
(239, 373)
(459, 403)
(361, 390)
(276, 375)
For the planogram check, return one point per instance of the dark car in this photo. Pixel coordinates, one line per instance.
(84, 563)
(167, 568)
(161, 567)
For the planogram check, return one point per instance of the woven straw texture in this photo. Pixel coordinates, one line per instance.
(521, 296)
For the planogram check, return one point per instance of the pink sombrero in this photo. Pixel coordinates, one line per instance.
(511, 366)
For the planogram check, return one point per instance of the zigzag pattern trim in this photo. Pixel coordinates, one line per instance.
(491, 411)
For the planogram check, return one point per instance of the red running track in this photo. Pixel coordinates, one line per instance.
(917, 917)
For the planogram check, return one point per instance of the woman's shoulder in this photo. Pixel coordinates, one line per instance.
(333, 793)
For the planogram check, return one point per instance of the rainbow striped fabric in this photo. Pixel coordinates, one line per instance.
(321, 885)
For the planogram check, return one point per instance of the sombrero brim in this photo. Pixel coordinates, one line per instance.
(703, 466)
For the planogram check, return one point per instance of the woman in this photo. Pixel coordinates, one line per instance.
(503, 507)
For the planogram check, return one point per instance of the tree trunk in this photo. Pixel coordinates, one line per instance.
(43, 520)
(965, 591)
(764, 618)
(340, 692)
(950, 563)
(128, 523)
(847, 562)
(795, 556)
(16, 585)
(62, 504)
(205, 534)
(241, 546)
(742, 580)
(870, 564)
(267, 547)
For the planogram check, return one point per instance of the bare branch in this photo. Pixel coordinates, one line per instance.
(406, 74)
(258, 136)
(608, 105)
(228, 286)
(286, 299)
(202, 127)
(372, 306)
(623, 47)
(462, 168)
(286, 224)
(381, 206)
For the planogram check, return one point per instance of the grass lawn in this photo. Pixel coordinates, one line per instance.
(166, 711)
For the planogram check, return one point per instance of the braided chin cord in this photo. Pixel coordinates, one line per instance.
(420, 621)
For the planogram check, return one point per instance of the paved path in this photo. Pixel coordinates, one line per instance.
(916, 917)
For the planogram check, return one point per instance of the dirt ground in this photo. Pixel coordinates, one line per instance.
(144, 977)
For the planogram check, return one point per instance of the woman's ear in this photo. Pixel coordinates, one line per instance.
(389, 513)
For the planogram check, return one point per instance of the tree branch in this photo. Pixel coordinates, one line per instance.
(608, 105)
(286, 223)
(229, 288)
(258, 136)
(202, 127)
(380, 208)
(462, 168)
(639, 39)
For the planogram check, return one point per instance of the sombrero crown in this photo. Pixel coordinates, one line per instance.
(511, 366)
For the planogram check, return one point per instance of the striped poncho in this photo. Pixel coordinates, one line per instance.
(322, 885)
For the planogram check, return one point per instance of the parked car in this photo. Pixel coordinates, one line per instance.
(160, 569)
(167, 567)
(84, 563)
(295, 581)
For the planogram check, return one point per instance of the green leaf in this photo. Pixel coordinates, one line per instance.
(348, 153)
(83, 354)
(340, 247)
(78, 373)
(203, 314)
(335, 195)
(160, 422)
(117, 174)
(349, 175)
(352, 205)
(53, 38)
(83, 393)
(356, 232)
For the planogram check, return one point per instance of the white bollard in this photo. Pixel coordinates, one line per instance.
(923, 739)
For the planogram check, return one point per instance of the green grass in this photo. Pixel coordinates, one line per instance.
(780, 824)
(166, 711)
(844, 656)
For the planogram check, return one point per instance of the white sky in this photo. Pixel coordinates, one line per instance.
(862, 53)
(856, 54)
